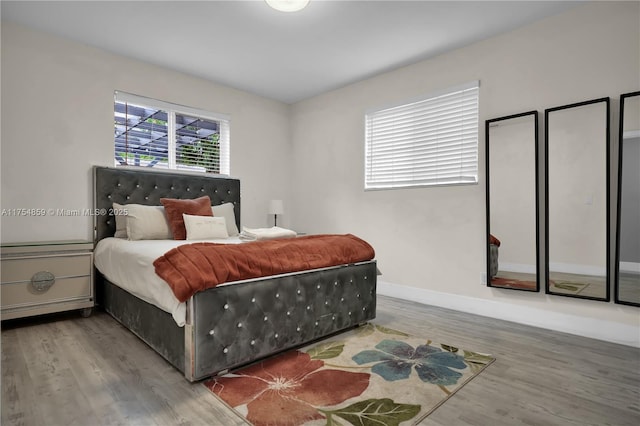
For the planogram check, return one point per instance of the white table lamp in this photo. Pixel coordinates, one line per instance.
(275, 208)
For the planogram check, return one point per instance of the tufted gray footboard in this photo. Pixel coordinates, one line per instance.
(240, 323)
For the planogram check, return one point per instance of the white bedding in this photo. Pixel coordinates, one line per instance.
(129, 265)
(259, 234)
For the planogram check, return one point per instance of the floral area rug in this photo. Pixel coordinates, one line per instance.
(567, 286)
(513, 283)
(371, 375)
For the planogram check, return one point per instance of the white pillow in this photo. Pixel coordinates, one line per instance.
(147, 223)
(226, 210)
(121, 220)
(205, 227)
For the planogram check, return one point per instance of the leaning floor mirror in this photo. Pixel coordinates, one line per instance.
(512, 201)
(577, 200)
(627, 282)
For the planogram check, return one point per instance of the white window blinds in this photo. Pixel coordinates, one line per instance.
(432, 141)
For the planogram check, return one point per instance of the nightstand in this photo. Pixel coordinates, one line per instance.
(45, 277)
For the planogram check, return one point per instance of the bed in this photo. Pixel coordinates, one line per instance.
(494, 245)
(235, 323)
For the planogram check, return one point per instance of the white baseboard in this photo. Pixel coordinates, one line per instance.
(631, 267)
(569, 268)
(631, 134)
(581, 326)
(517, 267)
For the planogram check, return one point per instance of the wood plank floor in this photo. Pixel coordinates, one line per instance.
(68, 370)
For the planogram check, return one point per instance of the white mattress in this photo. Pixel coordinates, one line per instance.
(129, 265)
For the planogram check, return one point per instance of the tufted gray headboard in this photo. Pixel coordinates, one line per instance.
(144, 186)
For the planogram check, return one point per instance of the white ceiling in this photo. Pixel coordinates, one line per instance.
(283, 56)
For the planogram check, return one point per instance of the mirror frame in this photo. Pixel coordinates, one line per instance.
(537, 197)
(616, 293)
(605, 100)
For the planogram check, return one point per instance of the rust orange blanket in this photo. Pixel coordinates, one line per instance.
(194, 267)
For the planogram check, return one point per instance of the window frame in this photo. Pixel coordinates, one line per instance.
(223, 120)
(470, 149)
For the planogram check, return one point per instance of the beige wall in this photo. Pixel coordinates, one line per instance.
(577, 190)
(57, 121)
(512, 196)
(630, 190)
(632, 114)
(431, 241)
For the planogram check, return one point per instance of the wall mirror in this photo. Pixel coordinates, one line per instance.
(512, 201)
(577, 200)
(627, 282)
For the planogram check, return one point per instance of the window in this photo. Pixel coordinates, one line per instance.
(152, 133)
(431, 141)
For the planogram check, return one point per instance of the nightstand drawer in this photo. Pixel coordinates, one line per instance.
(61, 266)
(36, 283)
(65, 289)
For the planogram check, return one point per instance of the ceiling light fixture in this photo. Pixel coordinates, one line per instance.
(288, 5)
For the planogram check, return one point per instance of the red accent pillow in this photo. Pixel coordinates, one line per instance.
(175, 208)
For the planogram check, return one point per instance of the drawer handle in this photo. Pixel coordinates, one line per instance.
(42, 281)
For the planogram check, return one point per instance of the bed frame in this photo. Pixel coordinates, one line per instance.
(234, 324)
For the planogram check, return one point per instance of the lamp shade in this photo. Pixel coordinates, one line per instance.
(276, 207)
(288, 5)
